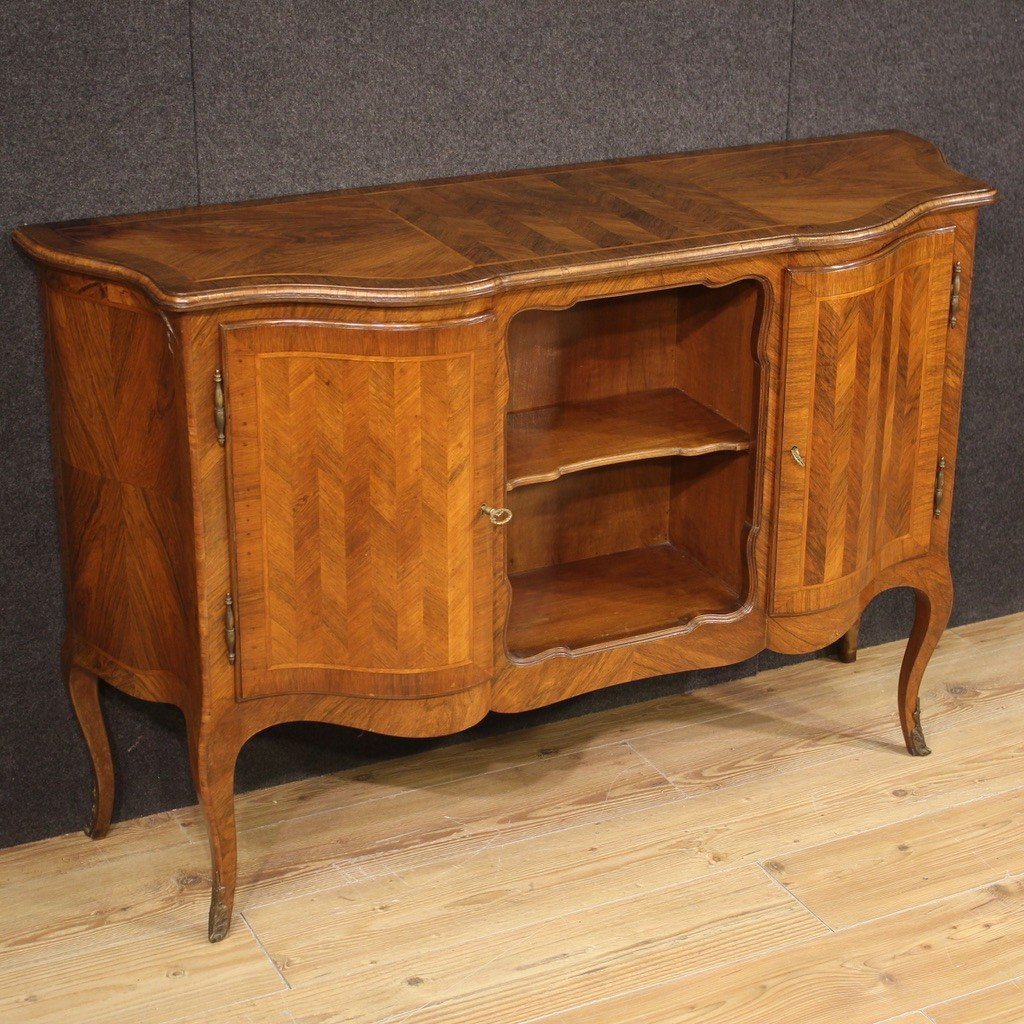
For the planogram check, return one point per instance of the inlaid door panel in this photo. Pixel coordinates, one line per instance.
(865, 357)
(359, 458)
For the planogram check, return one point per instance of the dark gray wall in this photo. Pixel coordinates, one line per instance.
(147, 105)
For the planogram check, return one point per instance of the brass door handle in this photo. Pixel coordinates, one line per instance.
(940, 485)
(498, 516)
(797, 456)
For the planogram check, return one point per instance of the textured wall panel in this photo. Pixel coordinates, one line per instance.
(950, 72)
(95, 117)
(318, 95)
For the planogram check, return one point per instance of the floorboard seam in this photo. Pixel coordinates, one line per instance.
(672, 796)
(653, 766)
(936, 728)
(371, 874)
(679, 796)
(765, 954)
(575, 912)
(1002, 794)
(555, 1016)
(1017, 980)
(263, 949)
(1008, 879)
(796, 899)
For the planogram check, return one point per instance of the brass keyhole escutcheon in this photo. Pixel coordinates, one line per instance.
(498, 516)
(797, 456)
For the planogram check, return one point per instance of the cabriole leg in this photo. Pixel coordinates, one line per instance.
(933, 607)
(213, 770)
(83, 688)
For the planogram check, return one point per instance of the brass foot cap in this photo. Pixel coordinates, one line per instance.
(220, 919)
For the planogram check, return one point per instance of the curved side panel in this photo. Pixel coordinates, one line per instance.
(121, 464)
(145, 684)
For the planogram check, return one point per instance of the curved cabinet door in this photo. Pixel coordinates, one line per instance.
(865, 359)
(359, 457)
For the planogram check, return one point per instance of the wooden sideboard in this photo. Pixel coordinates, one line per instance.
(394, 457)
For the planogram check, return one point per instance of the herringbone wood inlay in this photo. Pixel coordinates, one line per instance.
(865, 362)
(357, 478)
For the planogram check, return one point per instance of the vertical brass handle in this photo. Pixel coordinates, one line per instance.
(498, 516)
(940, 485)
(219, 413)
(229, 626)
(797, 456)
(954, 294)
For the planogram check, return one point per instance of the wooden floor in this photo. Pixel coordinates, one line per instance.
(763, 852)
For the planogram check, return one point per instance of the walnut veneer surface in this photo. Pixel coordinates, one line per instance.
(718, 393)
(461, 237)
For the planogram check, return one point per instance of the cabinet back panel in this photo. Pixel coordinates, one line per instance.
(596, 512)
(716, 350)
(710, 514)
(593, 349)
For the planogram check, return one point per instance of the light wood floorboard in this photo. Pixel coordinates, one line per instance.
(867, 875)
(1001, 1004)
(760, 851)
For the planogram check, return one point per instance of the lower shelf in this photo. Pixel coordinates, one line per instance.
(599, 600)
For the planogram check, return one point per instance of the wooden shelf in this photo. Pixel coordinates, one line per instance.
(576, 605)
(546, 443)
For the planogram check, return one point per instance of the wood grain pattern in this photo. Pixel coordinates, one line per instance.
(456, 239)
(393, 358)
(357, 470)
(633, 942)
(546, 443)
(125, 980)
(576, 605)
(121, 455)
(862, 975)
(863, 877)
(865, 362)
(1001, 1004)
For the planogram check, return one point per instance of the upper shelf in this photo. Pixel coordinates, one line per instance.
(546, 443)
(445, 240)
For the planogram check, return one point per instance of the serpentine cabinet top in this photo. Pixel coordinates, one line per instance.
(439, 241)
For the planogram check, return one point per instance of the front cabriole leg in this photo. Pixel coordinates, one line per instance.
(213, 770)
(933, 607)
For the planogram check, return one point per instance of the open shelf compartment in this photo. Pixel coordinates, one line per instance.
(576, 605)
(631, 445)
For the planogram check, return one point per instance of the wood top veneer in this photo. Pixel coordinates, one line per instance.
(442, 240)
